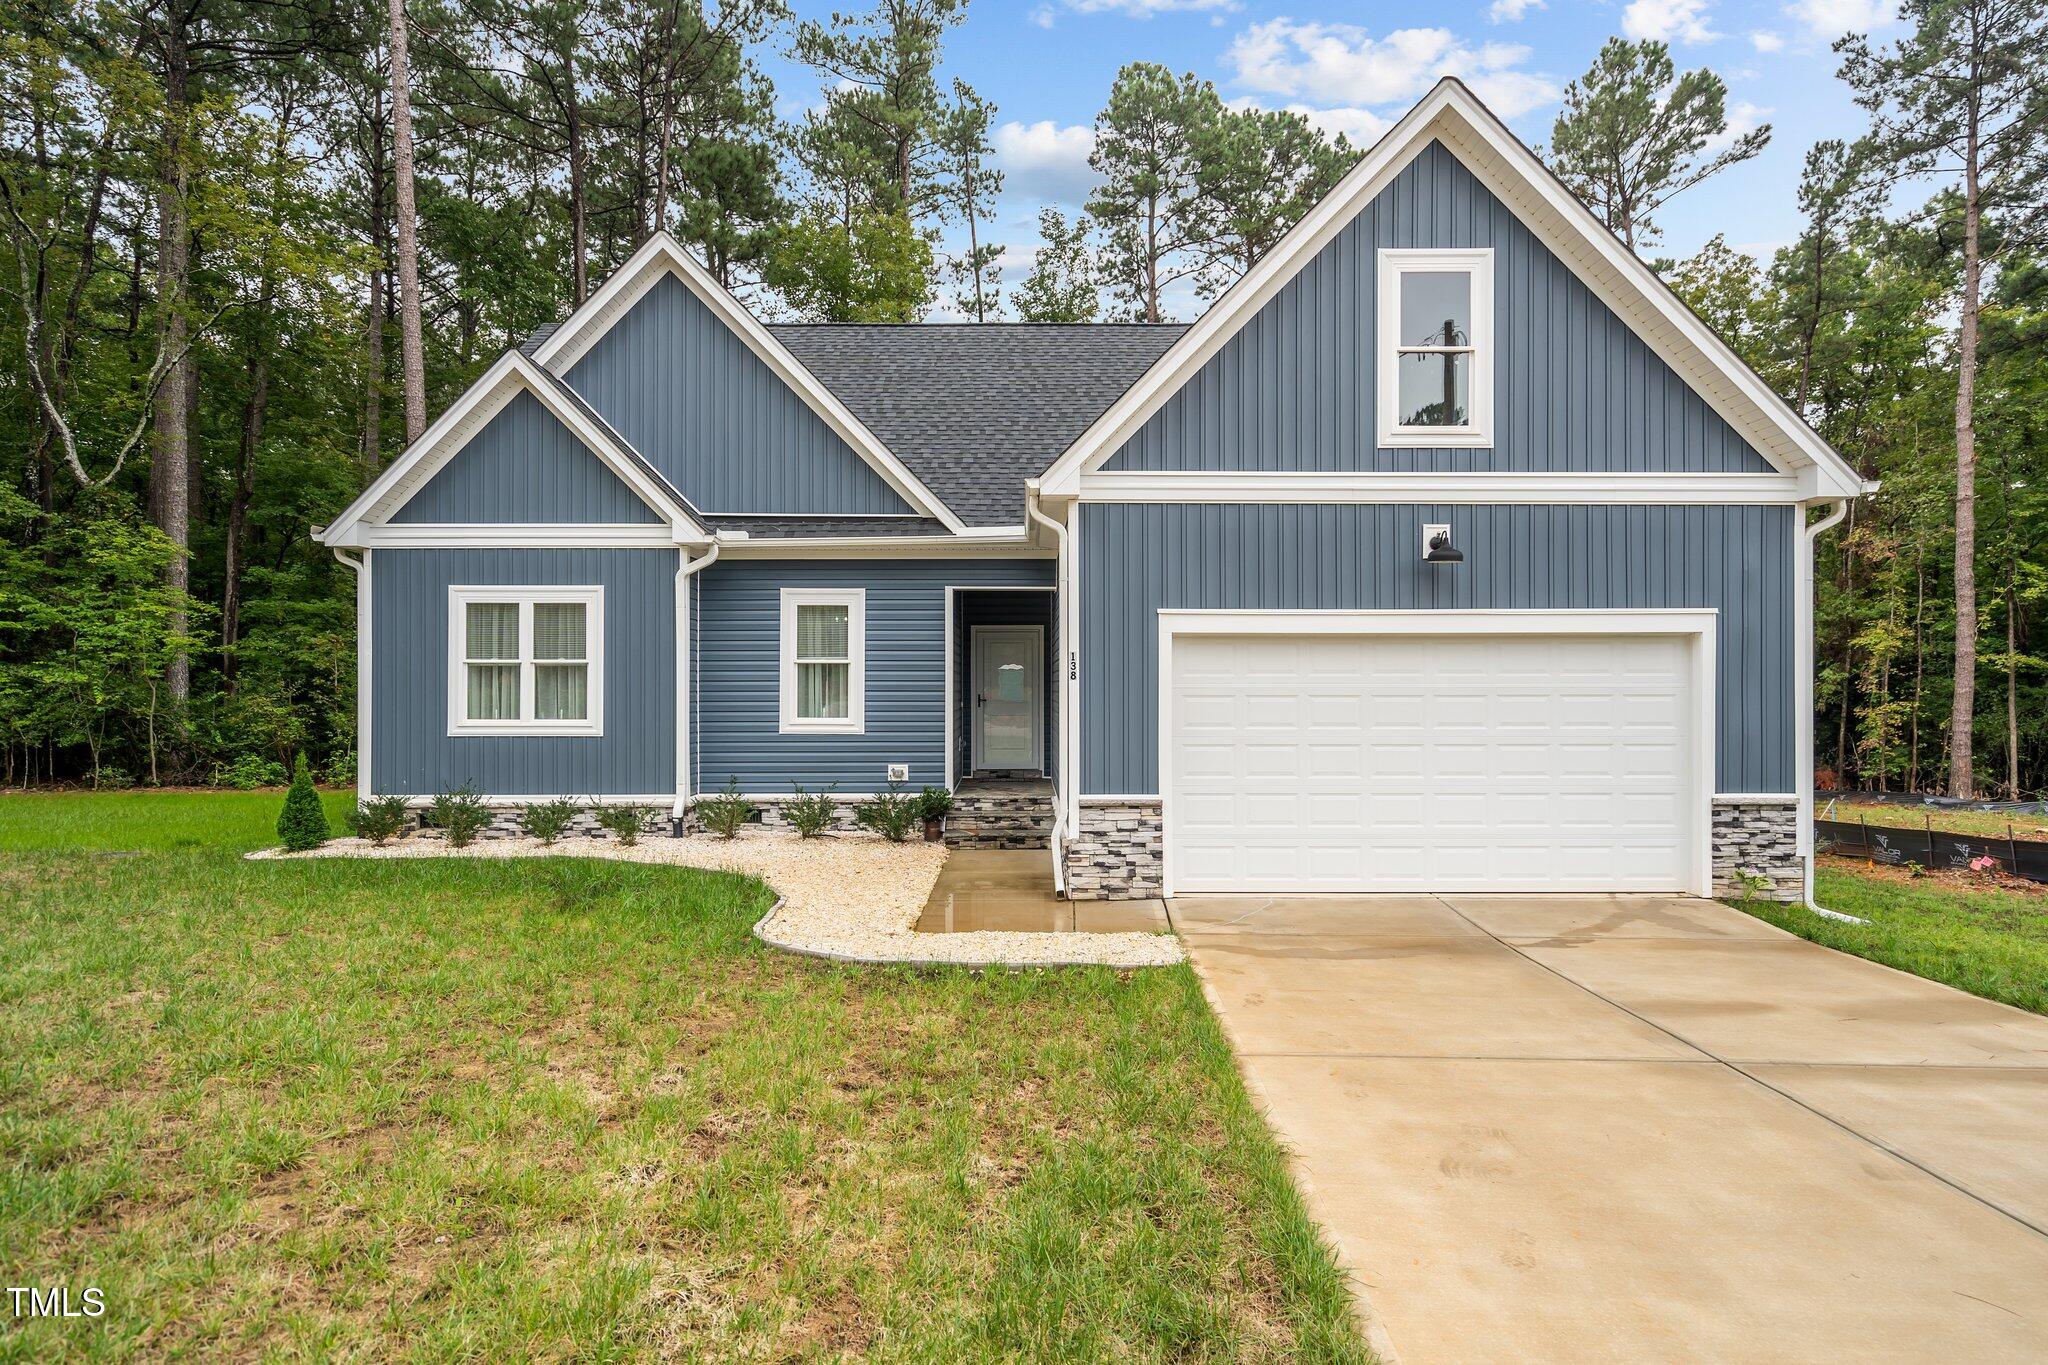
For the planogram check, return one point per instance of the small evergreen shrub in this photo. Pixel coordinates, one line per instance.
(380, 818)
(251, 771)
(809, 813)
(460, 815)
(891, 814)
(303, 823)
(627, 823)
(547, 820)
(724, 813)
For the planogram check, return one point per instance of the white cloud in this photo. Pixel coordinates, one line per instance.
(1511, 11)
(1045, 160)
(1665, 20)
(1743, 119)
(1041, 16)
(1763, 40)
(1344, 65)
(1830, 19)
(1362, 126)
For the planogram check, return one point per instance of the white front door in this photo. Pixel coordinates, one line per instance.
(1419, 763)
(1009, 697)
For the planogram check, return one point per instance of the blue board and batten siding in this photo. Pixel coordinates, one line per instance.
(412, 752)
(737, 615)
(1574, 387)
(523, 467)
(1137, 559)
(707, 412)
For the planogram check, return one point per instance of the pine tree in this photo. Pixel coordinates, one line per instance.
(1633, 133)
(303, 822)
(1960, 98)
(1061, 285)
(1147, 139)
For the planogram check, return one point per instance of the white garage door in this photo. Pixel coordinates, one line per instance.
(1432, 763)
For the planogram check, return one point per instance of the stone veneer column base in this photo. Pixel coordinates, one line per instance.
(1758, 837)
(1115, 855)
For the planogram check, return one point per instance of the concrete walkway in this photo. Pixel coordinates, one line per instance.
(1601, 1128)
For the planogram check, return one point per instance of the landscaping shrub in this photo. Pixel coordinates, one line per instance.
(809, 813)
(724, 813)
(547, 820)
(251, 771)
(934, 803)
(303, 823)
(628, 823)
(891, 814)
(380, 818)
(460, 815)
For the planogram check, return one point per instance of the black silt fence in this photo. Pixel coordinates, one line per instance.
(1931, 847)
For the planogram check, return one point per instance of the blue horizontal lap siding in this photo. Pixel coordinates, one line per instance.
(707, 412)
(1137, 559)
(525, 466)
(1574, 388)
(411, 750)
(738, 716)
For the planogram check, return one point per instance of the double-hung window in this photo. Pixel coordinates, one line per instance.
(1436, 347)
(526, 661)
(824, 660)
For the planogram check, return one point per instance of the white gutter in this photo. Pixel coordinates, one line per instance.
(1063, 604)
(1802, 642)
(360, 567)
(686, 569)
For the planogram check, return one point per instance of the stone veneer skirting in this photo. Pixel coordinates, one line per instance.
(1116, 853)
(1758, 837)
(506, 821)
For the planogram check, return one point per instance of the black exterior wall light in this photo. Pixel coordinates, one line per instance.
(1437, 547)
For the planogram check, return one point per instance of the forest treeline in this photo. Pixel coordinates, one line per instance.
(252, 247)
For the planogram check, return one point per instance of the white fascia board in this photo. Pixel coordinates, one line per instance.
(1477, 488)
(517, 536)
(470, 414)
(662, 255)
(1451, 112)
(1440, 621)
(885, 547)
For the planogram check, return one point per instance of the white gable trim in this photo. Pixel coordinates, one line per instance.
(1452, 114)
(363, 522)
(662, 255)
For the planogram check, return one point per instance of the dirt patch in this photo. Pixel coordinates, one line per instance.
(1949, 879)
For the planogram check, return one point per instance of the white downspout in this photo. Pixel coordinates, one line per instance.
(1063, 604)
(686, 569)
(361, 569)
(1802, 635)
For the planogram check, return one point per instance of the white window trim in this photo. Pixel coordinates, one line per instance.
(459, 598)
(1395, 262)
(855, 600)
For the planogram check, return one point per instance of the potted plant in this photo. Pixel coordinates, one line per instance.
(932, 804)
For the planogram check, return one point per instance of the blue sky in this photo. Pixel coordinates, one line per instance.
(1047, 65)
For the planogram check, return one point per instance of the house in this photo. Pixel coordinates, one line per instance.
(1447, 551)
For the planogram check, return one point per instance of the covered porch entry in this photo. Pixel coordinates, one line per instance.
(1001, 696)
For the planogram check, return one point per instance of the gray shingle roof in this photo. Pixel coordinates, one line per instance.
(974, 409)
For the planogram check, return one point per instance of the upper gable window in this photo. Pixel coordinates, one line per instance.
(1436, 347)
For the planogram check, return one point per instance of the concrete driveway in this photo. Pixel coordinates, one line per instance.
(1634, 1128)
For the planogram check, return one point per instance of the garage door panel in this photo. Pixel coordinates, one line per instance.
(1431, 763)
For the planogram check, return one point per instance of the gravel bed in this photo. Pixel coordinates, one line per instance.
(849, 897)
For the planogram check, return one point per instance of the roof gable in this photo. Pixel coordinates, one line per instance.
(1295, 387)
(524, 465)
(471, 415)
(1450, 113)
(709, 397)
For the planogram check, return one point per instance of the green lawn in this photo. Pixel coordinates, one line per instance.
(1986, 941)
(572, 1108)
